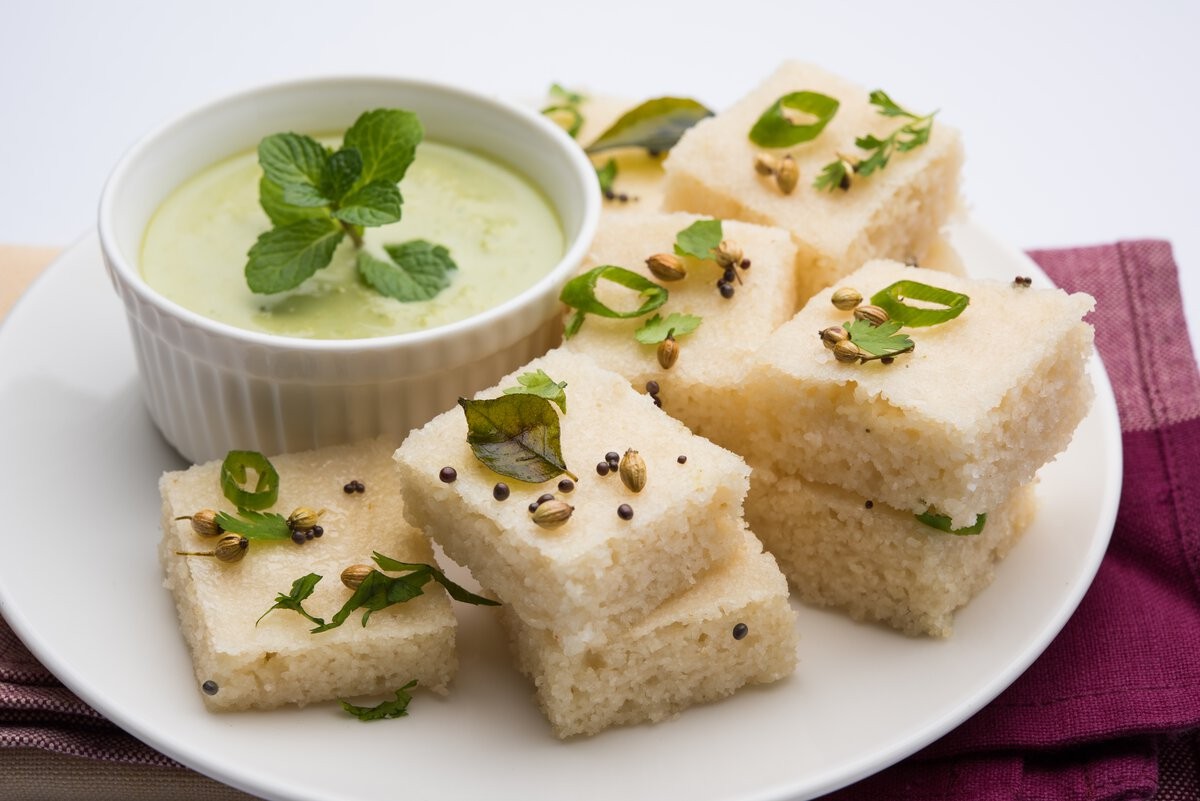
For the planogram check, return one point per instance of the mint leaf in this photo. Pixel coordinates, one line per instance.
(699, 239)
(777, 127)
(455, 591)
(516, 436)
(580, 294)
(255, 525)
(385, 709)
(387, 140)
(374, 204)
(302, 588)
(283, 258)
(418, 270)
(270, 197)
(655, 125)
(291, 159)
(542, 385)
(656, 329)
(343, 169)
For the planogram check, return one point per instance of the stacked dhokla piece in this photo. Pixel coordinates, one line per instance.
(894, 213)
(620, 614)
(845, 455)
(714, 355)
(261, 665)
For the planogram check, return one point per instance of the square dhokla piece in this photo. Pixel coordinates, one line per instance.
(716, 353)
(278, 661)
(597, 570)
(734, 627)
(895, 213)
(958, 424)
(875, 562)
(638, 186)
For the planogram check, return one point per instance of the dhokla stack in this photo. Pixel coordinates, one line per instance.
(896, 212)
(244, 663)
(846, 455)
(715, 354)
(640, 603)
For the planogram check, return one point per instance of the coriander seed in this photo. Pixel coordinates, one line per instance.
(355, 575)
(667, 267)
(871, 314)
(633, 471)
(231, 548)
(787, 175)
(765, 164)
(847, 351)
(846, 298)
(204, 523)
(728, 254)
(553, 514)
(302, 518)
(668, 352)
(832, 335)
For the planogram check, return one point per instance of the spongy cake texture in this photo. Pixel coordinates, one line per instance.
(278, 661)
(895, 213)
(716, 353)
(598, 570)
(733, 628)
(983, 402)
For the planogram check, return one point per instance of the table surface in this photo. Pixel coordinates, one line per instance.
(1074, 114)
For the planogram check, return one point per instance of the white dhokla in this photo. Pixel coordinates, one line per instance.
(733, 628)
(958, 424)
(639, 183)
(278, 661)
(895, 213)
(875, 562)
(597, 570)
(716, 353)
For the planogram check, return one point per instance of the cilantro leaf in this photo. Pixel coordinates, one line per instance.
(302, 588)
(580, 294)
(386, 709)
(387, 140)
(907, 137)
(564, 95)
(284, 257)
(606, 175)
(888, 107)
(699, 239)
(516, 436)
(418, 270)
(280, 212)
(878, 340)
(777, 127)
(455, 591)
(291, 159)
(255, 525)
(656, 329)
(655, 125)
(834, 175)
(374, 204)
(542, 385)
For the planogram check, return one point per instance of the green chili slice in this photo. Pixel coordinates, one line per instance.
(775, 129)
(942, 523)
(892, 300)
(580, 294)
(233, 477)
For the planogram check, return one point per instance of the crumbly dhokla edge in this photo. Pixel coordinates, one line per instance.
(597, 570)
(278, 661)
(733, 628)
(877, 563)
(717, 352)
(972, 413)
(895, 213)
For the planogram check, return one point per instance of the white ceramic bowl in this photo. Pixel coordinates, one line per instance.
(211, 387)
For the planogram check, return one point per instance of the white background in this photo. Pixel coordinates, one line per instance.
(1081, 119)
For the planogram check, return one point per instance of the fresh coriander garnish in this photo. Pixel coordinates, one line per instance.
(794, 118)
(907, 137)
(943, 523)
(563, 108)
(302, 588)
(397, 708)
(542, 385)
(700, 239)
(233, 477)
(418, 270)
(892, 300)
(606, 174)
(517, 435)
(879, 341)
(255, 525)
(656, 329)
(580, 294)
(655, 125)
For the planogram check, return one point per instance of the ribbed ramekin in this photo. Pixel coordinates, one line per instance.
(211, 387)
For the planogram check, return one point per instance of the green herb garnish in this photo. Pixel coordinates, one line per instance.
(255, 525)
(943, 523)
(542, 385)
(580, 294)
(418, 270)
(517, 436)
(907, 137)
(386, 709)
(233, 477)
(564, 108)
(700, 239)
(794, 118)
(606, 175)
(656, 329)
(881, 341)
(892, 300)
(655, 125)
(302, 588)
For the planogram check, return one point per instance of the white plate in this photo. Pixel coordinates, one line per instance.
(80, 584)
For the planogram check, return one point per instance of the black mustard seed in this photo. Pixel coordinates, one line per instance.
(566, 485)
(447, 475)
(500, 492)
(602, 468)
(625, 511)
(740, 631)
(681, 459)
(210, 687)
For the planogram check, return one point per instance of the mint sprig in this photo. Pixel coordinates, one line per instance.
(418, 270)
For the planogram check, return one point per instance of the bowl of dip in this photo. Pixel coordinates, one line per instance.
(510, 196)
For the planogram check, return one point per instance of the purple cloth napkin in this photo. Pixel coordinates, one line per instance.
(1110, 711)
